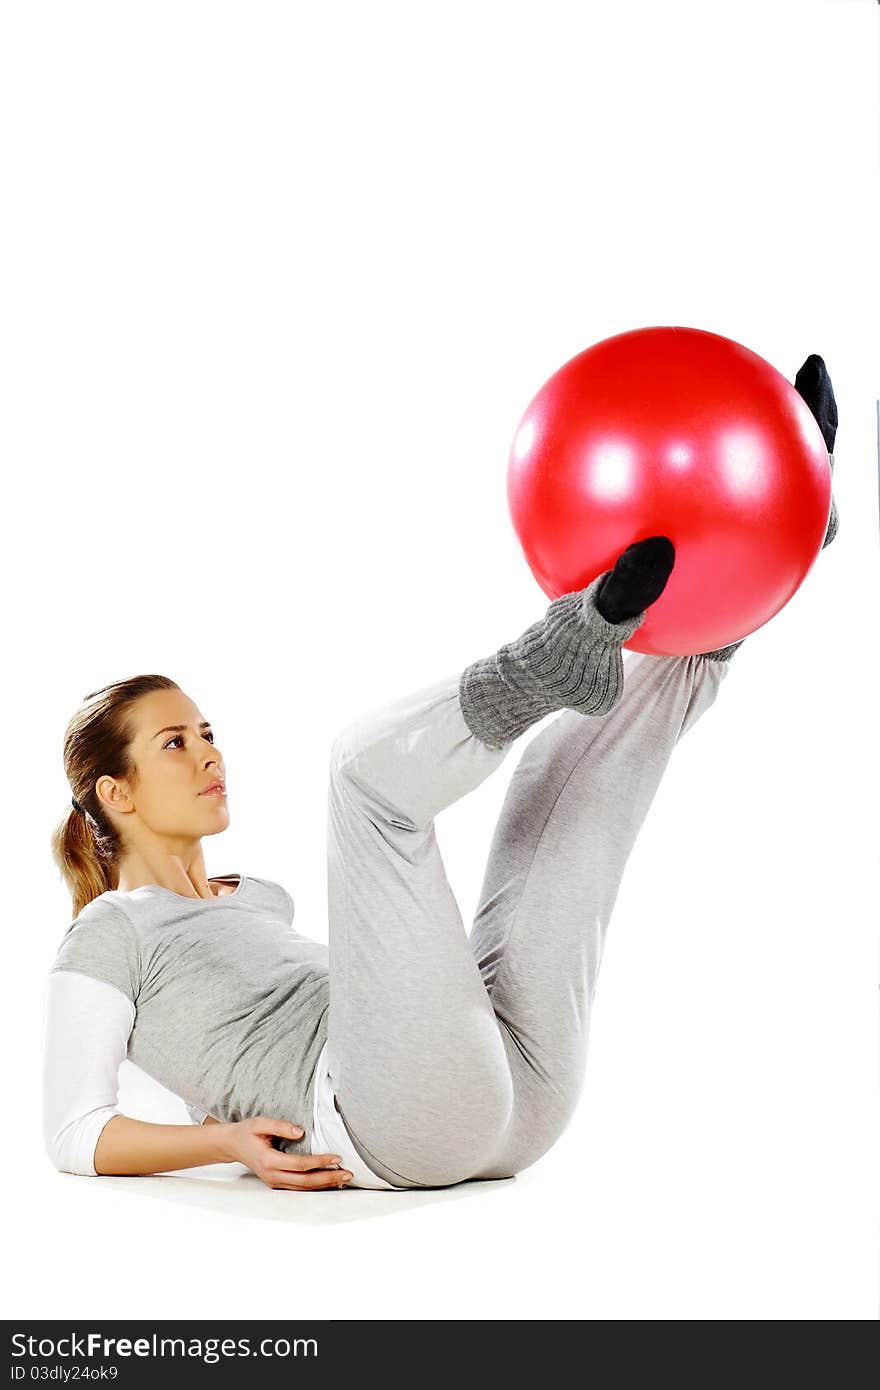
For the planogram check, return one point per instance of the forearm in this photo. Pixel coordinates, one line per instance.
(128, 1146)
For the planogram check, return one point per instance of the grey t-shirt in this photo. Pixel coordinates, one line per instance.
(230, 1000)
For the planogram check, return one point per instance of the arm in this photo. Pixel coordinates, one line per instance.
(88, 1023)
(139, 1147)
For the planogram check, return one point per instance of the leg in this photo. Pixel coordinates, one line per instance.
(572, 812)
(420, 1069)
(419, 1065)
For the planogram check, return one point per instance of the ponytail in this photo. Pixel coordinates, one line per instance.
(86, 845)
(78, 852)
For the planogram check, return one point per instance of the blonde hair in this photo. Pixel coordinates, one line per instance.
(97, 743)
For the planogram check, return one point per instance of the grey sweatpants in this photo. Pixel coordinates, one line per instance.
(455, 1058)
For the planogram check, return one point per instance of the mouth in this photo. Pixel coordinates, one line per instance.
(215, 789)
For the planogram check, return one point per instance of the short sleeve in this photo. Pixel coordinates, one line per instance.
(87, 1024)
(277, 894)
(285, 901)
(289, 903)
(101, 943)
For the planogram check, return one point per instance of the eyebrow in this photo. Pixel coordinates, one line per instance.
(181, 728)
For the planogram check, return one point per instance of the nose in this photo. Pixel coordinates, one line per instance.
(215, 758)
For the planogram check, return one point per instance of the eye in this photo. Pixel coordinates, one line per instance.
(178, 738)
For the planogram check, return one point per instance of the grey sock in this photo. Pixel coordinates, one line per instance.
(832, 518)
(723, 653)
(570, 659)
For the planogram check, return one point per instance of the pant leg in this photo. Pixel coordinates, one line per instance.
(454, 1059)
(573, 809)
(420, 1069)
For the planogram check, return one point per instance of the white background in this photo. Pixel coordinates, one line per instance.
(278, 282)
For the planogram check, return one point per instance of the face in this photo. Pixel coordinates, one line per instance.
(176, 759)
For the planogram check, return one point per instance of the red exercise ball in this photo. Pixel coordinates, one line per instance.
(682, 433)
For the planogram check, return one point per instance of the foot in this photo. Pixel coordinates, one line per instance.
(813, 384)
(569, 659)
(637, 580)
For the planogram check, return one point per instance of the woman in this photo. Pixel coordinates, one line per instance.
(407, 1052)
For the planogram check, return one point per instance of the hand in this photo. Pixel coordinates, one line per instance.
(250, 1142)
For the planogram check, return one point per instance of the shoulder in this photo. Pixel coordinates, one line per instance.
(103, 916)
(101, 942)
(272, 893)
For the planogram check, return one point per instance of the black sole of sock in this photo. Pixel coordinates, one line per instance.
(638, 579)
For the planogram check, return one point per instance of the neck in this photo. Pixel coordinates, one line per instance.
(186, 876)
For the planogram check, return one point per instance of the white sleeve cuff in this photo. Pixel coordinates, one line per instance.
(73, 1149)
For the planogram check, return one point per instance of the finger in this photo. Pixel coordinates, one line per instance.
(304, 1163)
(314, 1182)
(285, 1129)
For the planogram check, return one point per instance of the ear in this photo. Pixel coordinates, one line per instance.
(113, 794)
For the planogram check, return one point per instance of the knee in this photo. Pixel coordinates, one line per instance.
(349, 788)
(368, 781)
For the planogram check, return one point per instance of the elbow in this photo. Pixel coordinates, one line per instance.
(71, 1147)
(53, 1151)
(64, 1157)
